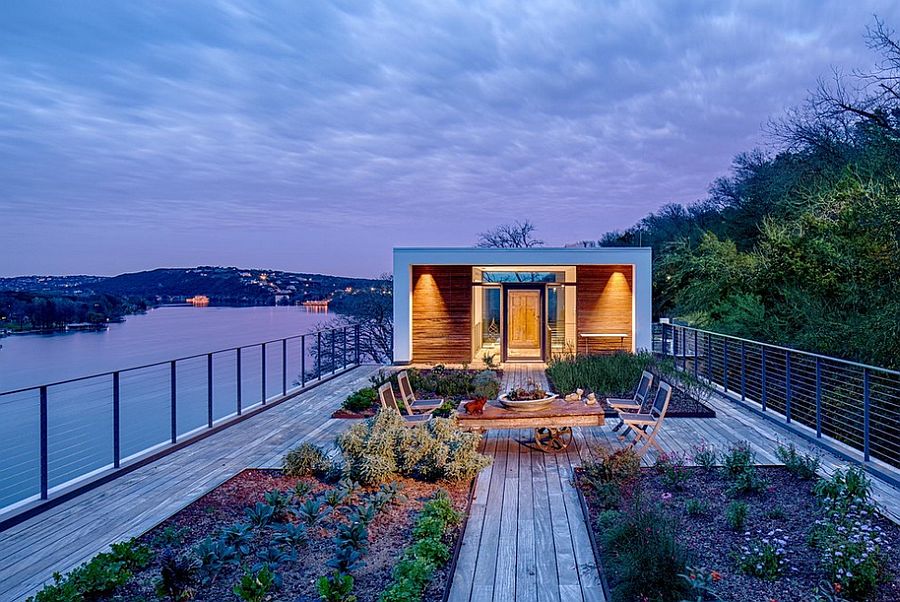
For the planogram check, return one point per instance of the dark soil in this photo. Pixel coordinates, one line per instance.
(787, 504)
(389, 534)
(342, 413)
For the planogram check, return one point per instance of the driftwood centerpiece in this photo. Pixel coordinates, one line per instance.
(527, 399)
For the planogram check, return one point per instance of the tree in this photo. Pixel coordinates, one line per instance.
(517, 235)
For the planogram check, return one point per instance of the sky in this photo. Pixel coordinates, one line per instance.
(315, 136)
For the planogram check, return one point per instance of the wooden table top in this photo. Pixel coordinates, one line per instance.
(559, 408)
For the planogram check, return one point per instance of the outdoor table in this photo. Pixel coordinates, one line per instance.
(552, 425)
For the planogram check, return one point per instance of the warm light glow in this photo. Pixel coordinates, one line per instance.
(198, 300)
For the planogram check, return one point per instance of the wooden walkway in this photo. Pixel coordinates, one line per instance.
(71, 533)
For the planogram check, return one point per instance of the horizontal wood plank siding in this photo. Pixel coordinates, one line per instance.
(604, 305)
(442, 314)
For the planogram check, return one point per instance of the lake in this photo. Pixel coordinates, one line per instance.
(80, 414)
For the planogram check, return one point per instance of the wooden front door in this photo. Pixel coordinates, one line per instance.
(524, 314)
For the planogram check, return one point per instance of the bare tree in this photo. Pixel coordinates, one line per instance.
(517, 235)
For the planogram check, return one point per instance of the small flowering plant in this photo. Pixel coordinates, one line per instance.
(701, 583)
(705, 455)
(764, 557)
(671, 466)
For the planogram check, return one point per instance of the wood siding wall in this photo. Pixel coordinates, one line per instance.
(442, 314)
(604, 305)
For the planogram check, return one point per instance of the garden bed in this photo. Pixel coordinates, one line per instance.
(388, 534)
(782, 540)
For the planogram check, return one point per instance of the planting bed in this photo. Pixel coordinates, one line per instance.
(703, 517)
(388, 534)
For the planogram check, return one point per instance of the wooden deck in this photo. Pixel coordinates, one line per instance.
(526, 538)
(71, 533)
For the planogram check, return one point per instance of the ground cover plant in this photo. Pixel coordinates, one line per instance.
(617, 375)
(787, 536)
(311, 531)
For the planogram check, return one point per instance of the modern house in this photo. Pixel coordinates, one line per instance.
(456, 305)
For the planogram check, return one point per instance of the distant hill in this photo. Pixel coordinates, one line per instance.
(223, 285)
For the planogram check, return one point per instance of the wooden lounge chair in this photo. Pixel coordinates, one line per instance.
(413, 405)
(389, 400)
(646, 426)
(635, 403)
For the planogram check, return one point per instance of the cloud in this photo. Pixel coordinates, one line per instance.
(384, 122)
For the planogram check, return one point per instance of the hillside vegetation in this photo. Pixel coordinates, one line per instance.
(799, 246)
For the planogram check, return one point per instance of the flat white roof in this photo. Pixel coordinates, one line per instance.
(531, 256)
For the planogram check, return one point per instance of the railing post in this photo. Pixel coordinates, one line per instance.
(302, 361)
(709, 357)
(763, 378)
(333, 362)
(865, 414)
(356, 343)
(174, 403)
(344, 346)
(238, 381)
(818, 397)
(209, 390)
(725, 364)
(116, 421)
(665, 346)
(787, 385)
(684, 349)
(45, 454)
(319, 355)
(263, 366)
(743, 371)
(696, 352)
(284, 366)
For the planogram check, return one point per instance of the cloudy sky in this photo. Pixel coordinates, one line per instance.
(314, 136)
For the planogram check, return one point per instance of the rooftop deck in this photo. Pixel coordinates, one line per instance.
(526, 538)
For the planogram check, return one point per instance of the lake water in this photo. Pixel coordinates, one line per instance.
(80, 414)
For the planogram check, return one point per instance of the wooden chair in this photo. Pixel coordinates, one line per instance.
(389, 400)
(646, 426)
(413, 405)
(635, 403)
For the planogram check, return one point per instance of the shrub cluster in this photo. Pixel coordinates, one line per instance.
(803, 466)
(361, 400)
(610, 473)
(384, 447)
(426, 553)
(765, 557)
(100, 576)
(305, 460)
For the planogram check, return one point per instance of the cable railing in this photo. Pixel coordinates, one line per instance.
(854, 403)
(68, 434)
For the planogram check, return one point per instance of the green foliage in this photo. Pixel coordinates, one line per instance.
(845, 487)
(670, 466)
(279, 501)
(445, 410)
(612, 375)
(272, 557)
(214, 555)
(740, 468)
(416, 567)
(361, 400)
(695, 507)
(454, 384)
(701, 583)
(384, 447)
(705, 455)
(803, 466)
(168, 537)
(312, 512)
(291, 535)
(239, 536)
(99, 576)
(336, 587)
(306, 460)
(642, 537)
(776, 513)
(764, 559)
(607, 475)
(260, 514)
(736, 515)
(255, 587)
(177, 577)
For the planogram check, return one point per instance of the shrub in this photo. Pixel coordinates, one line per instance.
(671, 468)
(775, 513)
(445, 410)
(614, 375)
(705, 455)
(848, 487)
(312, 512)
(99, 576)
(255, 587)
(739, 458)
(279, 501)
(177, 577)
(260, 514)
(384, 447)
(645, 537)
(305, 460)
(417, 564)
(695, 507)
(452, 383)
(736, 515)
(361, 400)
(608, 474)
(291, 535)
(336, 587)
(239, 536)
(803, 466)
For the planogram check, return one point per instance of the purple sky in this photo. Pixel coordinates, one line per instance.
(314, 136)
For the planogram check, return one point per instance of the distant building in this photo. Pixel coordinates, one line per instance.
(198, 300)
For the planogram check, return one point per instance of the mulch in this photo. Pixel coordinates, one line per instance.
(389, 534)
(711, 542)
